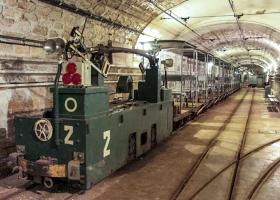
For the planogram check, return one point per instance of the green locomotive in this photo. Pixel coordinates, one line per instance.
(85, 138)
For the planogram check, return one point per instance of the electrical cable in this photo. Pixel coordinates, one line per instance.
(174, 16)
(22, 41)
(178, 19)
(86, 13)
(222, 16)
(21, 44)
(237, 18)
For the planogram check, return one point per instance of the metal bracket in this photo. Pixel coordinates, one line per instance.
(74, 170)
(79, 156)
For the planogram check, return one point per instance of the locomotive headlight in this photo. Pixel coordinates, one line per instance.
(43, 130)
(54, 45)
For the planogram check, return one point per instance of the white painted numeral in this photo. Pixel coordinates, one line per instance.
(69, 130)
(106, 137)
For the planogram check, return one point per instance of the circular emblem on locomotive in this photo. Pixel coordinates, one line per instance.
(43, 130)
(70, 104)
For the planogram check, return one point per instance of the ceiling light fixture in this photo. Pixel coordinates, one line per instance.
(260, 12)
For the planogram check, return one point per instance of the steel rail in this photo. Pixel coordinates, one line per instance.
(199, 160)
(240, 151)
(75, 194)
(265, 176)
(231, 164)
(21, 190)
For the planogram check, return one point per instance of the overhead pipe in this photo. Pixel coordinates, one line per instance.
(22, 39)
(13, 40)
(20, 44)
(109, 50)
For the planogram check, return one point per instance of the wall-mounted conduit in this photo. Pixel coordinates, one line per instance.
(22, 41)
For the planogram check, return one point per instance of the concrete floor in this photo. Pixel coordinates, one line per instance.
(157, 174)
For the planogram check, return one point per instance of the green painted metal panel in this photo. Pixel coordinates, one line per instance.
(36, 148)
(98, 165)
(83, 102)
(99, 131)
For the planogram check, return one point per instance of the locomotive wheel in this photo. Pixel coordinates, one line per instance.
(48, 182)
(132, 147)
(153, 137)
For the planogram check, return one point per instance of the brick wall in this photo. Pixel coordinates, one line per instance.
(26, 73)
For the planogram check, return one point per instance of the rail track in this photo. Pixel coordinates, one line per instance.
(240, 157)
(244, 157)
(210, 144)
(261, 180)
(37, 189)
(20, 191)
(235, 176)
(236, 164)
(75, 195)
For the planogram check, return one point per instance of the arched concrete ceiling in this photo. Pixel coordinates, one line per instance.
(216, 29)
(213, 23)
(255, 68)
(225, 43)
(239, 52)
(251, 60)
